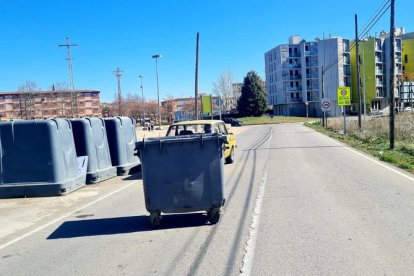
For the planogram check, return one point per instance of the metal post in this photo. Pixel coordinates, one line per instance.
(158, 89)
(142, 96)
(344, 110)
(323, 96)
(365, 82)
(220, 104)
(410, 91)
(196, 81)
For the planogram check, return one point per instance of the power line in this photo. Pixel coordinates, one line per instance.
(365, 31)
(386, 2)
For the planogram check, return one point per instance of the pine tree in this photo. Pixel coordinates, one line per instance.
(253, 99)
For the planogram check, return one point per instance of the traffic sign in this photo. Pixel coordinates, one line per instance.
(344, 96)
(325, 104)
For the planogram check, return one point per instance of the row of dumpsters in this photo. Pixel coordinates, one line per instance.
(54, 157)
(57, 156)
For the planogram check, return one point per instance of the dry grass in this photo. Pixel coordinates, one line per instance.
(373, 138)
(378, 127)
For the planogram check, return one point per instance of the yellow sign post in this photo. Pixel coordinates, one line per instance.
(344, 96)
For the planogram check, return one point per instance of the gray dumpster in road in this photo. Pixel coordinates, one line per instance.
(90, 140)
(38, 158)
(121, 139)
(182, 174)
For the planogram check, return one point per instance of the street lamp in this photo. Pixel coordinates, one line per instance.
(158, 88)
(142, 96)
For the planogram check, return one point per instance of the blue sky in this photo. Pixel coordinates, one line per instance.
(234, 35)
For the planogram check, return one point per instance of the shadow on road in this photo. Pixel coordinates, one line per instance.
(124, 225)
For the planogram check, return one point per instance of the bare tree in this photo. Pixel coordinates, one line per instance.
(133, 106)
(62, 94)
(169, 107)
(26, 99)
(223, 88)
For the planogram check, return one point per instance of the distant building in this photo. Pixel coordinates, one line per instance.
(184, 108)
(236, 95)
(294, 75)
(375, 64)
(47, 104)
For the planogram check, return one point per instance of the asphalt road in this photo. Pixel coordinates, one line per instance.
(297, 203)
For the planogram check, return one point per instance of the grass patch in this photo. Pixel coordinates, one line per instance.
(372, 140)
(275, 120)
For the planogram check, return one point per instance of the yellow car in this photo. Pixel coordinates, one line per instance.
(206, 126)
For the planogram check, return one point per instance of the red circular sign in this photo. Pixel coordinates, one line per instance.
(343, 92)
(326, 105)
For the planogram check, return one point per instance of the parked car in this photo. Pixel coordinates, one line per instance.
(198, 127)
(232, 122)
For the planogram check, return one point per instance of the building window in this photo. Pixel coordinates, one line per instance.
(306, 47)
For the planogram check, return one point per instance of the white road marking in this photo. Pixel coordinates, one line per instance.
(385, 165)
(64, 216)
(248, 257)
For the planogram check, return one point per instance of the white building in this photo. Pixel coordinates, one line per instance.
(294, 74)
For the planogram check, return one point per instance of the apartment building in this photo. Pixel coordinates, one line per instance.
(47, 104)
(294, 75)
(375, 64)
(408, 55)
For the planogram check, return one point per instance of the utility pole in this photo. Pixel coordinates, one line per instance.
(118, 73)
(73, 97)
(358, 77)
(196, 80)
(392, 72)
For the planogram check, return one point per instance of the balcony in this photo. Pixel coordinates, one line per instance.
(311, 76)
(294, 65)
(347, 71)
(379, 72)
(295, 88)
(294, 55)
(295, 77)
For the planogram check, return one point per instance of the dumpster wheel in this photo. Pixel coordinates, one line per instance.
(154, 219)
(213, 215)
(230, 158)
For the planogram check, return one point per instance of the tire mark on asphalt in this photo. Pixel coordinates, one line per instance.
(244, 157)
(249, 198)
(203, 248)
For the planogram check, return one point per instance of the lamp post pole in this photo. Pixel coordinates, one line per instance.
(142, 97)
(158, 89)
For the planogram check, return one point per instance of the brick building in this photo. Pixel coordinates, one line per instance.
(46, 104)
